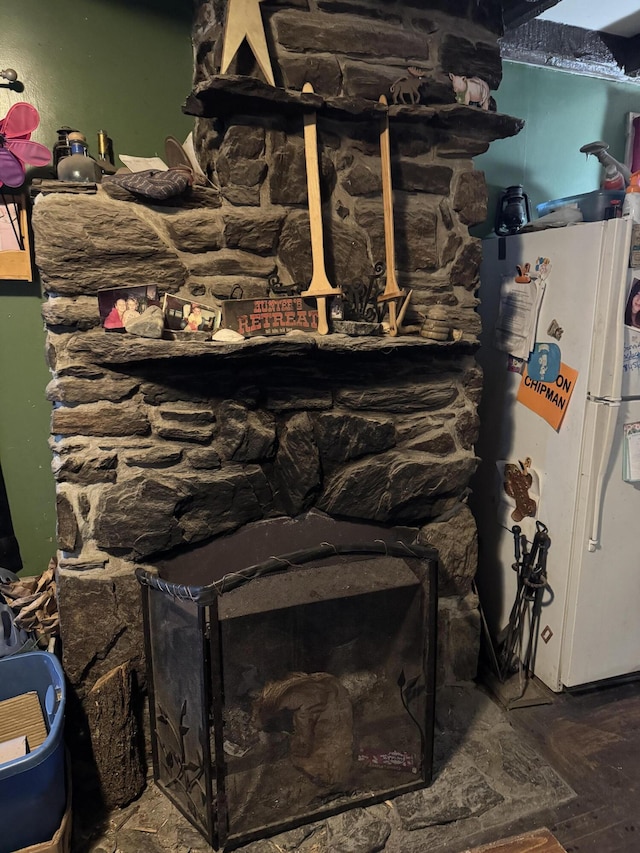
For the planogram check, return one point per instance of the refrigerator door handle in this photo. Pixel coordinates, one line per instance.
(607, 356)
(603, 439)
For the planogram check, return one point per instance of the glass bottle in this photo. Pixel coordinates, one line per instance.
(78, 167)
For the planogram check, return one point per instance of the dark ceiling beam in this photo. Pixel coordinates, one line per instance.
(626, 52)
(517, 12)
(573, 49)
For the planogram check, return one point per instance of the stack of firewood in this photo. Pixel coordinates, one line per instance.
(33, 602)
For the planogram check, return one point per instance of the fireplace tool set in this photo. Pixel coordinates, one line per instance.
(393, 297)
(518, 651)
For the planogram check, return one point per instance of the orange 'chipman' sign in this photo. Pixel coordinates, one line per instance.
(550, 400)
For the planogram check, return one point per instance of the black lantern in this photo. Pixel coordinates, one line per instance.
(513, 211)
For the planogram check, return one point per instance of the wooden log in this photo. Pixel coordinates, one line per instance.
(114, 736)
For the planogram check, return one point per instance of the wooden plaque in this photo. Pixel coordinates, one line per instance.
(270, 315)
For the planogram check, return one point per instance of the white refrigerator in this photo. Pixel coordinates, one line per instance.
(561, 425)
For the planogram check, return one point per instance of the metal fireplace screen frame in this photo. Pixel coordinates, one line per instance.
(294, 689)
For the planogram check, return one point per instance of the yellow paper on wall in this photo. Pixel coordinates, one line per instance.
(550, 400)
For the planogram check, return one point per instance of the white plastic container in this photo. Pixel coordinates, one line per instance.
(631, 204)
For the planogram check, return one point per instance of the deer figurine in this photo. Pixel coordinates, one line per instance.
(406, 90)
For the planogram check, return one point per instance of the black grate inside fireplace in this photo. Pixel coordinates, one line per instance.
(293, 689)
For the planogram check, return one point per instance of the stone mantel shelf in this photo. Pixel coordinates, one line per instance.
(222, 95)
(102, 347)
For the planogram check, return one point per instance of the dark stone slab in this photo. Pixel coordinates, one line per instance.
(411, 175)
(245, 436)
(459, 55)
(287, 173)
(297, 466)
(468, 794)
(145, 515)
(359, 831)
(229, 95)
(107, 388)
(257, 233)
(110, 603)
(470, 198)
(341, 436)
(87, 468)
(346, 34)
(196, 230)
(67, 525)
(323, 72)
(73, 260)
(100, 419)
(394, 487)
(79, 312)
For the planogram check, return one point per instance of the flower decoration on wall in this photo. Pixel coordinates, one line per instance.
(16, 145)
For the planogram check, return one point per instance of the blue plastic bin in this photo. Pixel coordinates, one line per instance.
(32, 788)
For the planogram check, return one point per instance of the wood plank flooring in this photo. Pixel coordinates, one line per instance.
(592, 739)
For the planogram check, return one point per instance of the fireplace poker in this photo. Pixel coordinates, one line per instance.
(392, 293)
(320, 287)
(531, 569)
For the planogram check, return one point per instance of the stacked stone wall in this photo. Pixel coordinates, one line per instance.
(159, 446)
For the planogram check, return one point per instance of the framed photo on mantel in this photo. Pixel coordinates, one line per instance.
(15, 246)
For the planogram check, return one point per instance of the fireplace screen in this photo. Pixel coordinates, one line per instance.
(293, 689)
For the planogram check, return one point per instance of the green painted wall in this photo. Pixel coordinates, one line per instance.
(562, 112)
(92, 64)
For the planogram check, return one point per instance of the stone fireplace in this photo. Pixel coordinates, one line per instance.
(161, 447)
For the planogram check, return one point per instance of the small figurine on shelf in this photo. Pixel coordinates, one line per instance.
(472, 90)
(406, 90)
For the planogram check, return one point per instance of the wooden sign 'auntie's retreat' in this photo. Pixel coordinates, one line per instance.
(270, 316)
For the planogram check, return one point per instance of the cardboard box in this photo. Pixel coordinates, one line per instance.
(21, 716)
(14, 748)
(61, 841)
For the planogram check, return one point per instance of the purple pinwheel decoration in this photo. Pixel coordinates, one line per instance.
(16, 146)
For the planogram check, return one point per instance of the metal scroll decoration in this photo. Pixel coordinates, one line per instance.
(361, 300)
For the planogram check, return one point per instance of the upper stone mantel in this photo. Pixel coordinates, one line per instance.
(100, 347)
(223, 95)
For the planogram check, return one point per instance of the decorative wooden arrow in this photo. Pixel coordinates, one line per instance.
(245, 22)
(320, 287)
(392, 293)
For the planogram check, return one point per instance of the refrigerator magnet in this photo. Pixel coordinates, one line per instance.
(555, 330)
(631, 453)
(515, 365)
(544, 363)
(632, 308)
(519, 494)
(542, 268)
(549, 400)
